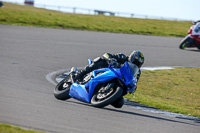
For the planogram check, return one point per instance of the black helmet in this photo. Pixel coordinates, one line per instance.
(137, 58)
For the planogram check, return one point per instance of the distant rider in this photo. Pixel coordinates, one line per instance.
(196, 28)
(1, 4)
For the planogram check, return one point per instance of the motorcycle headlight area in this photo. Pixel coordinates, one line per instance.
(131, 86)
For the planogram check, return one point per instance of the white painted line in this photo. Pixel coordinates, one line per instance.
(166, 113)
(156, 68)
(52, 76)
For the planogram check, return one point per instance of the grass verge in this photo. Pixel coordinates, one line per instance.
(5, 128)
(31, 16)
(176, 90)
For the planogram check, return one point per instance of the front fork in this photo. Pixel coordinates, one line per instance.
(191, 42)
(188, 41)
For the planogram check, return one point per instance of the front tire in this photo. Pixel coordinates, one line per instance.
(185, 43)
(100, 99)
(61, 91)
(118, 103)
(198, 47)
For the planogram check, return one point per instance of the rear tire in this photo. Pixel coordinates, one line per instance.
(112, 97)
(61, 91)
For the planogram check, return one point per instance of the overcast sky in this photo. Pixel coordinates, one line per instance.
(180, 9)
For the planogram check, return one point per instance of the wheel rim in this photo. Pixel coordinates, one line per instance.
(103, 93)
(64, 86)
(185, 45)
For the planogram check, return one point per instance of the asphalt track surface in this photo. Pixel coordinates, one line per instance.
(28, 54)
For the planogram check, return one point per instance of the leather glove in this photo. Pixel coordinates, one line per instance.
(113, 62)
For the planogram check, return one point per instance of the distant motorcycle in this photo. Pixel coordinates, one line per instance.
(192, 39)
(101, 87)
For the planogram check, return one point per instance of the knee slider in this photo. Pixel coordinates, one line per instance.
(98, 59)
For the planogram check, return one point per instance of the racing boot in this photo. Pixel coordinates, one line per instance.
(82, 73)
(73, 74)
(78, 76)
(89, 68)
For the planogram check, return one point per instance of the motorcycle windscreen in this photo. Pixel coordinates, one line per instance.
(129, 71)
(134, 69)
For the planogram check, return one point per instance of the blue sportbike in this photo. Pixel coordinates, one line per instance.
(101, 87)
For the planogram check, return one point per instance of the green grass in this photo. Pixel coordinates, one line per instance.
(31, 16)
(175, 90)
(4, 128)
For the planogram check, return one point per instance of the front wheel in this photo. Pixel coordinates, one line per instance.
(185, 43)
(61, 91)
(198, 47)
(106, 95)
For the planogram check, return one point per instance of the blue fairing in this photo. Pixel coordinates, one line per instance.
(127, 73)
(85, 92)
(80, 91)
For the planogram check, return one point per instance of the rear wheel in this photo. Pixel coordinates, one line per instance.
(61, 91)
(106, 95)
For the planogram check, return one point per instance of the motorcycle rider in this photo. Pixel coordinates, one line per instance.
(196, 28)
(136, 57)
(194, 22)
